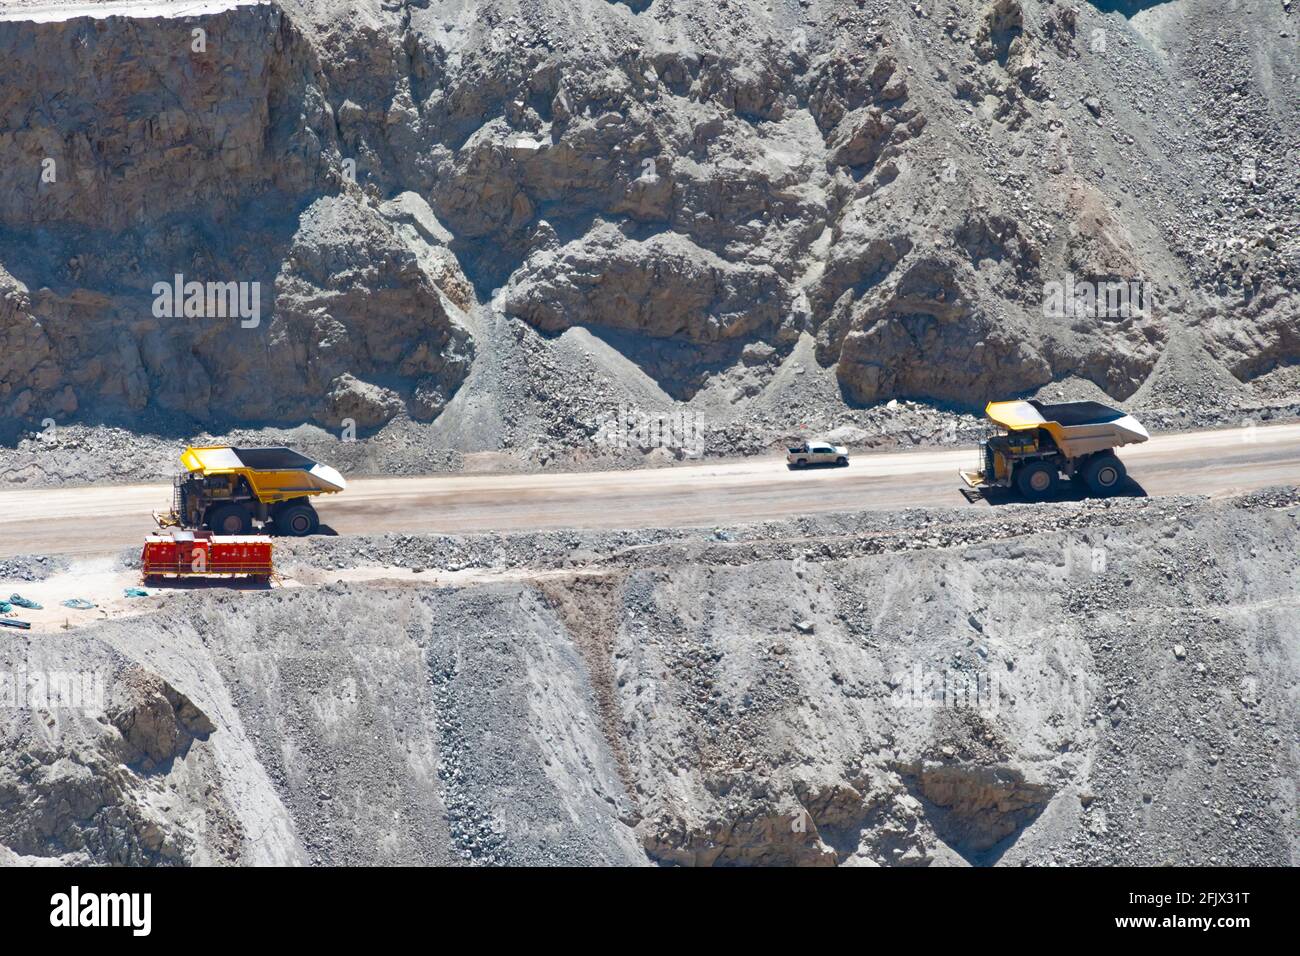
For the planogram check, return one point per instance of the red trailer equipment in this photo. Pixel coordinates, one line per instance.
(204, 554)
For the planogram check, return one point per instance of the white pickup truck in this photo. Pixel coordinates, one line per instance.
(817, 453)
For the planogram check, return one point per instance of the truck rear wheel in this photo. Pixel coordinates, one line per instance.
(297, 520)
(1104, 474)
(230, 519)
(1036, 480)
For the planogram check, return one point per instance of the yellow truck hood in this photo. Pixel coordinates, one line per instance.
(210, 460)
(1014, 415)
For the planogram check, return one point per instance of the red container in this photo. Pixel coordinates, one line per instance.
(203, 554)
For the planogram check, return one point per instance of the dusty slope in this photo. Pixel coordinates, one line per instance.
(1120, 686)
(784, 214)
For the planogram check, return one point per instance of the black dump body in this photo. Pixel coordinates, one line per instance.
(1078, 413)
(273, 459)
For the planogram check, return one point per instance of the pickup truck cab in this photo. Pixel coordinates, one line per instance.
(817, 453)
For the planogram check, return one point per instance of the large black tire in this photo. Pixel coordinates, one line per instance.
(1104, 475)
(1036, 480)
(230, 519)
(297, 520)
(841, 462)
(801, 463)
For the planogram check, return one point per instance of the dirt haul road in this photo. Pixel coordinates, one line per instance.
(96, 520)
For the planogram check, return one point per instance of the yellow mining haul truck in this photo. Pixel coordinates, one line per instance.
(1037, 443)
(227, 489)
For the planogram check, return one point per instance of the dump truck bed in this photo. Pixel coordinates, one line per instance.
(274, 473)
(1078, 428)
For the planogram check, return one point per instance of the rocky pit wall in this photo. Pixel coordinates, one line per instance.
(1108, 682)
(425, 198)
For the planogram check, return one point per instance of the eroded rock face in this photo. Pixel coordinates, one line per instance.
(895, 335)
(1257, 337)
(203, 159)
(139, 119)
(903, 186)
(86, 765)
(157, 722)
(356, 293)
(980, 806)
(30, 378)
(360, 403)
(354, 296)
(665, 286)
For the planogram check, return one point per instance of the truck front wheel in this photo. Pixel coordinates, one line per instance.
(1036, 480)
(230, 519)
